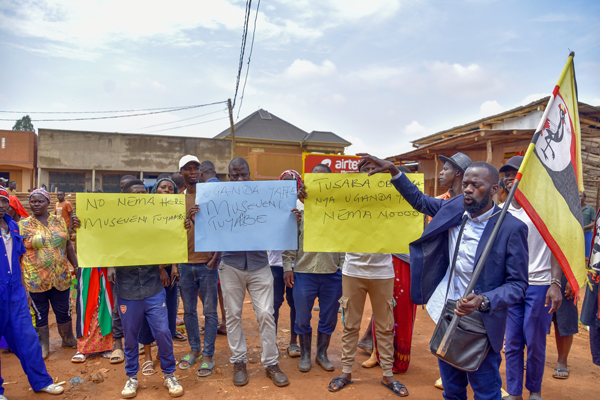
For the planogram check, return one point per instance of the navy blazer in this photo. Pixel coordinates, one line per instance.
(504, 278)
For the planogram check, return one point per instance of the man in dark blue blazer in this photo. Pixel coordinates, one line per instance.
(503, 280)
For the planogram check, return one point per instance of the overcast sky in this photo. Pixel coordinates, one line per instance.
(379, 73)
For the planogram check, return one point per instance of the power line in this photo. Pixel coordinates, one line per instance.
(185, 126)
(243, 49)
(107, 112)
(118, 116)
(181, 120)
(249, 57)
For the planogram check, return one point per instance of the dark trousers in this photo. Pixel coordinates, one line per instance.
(197, 279)
(18, 331)
(61, 305)
(171, 300)
(485, 382)
(279, 289)
(527, 325)
(595, 343)
(117, 326)
(133, 313)
(307, 287)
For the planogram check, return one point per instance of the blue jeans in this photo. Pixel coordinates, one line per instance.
(194, 279)
(527, 325)
(279, 289)
(595, 344)
(133, 313)
(145, 336)
(307, 287)
(485, 382)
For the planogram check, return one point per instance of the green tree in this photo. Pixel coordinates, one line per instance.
(24, 124)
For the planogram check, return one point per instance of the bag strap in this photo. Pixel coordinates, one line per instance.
(460, 233)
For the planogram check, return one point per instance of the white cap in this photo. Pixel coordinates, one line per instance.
(187, 159)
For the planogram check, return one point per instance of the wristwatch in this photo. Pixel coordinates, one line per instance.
(485, 304)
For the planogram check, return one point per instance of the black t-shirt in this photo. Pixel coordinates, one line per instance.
(138, 282)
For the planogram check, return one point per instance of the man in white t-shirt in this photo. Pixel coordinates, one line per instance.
(529, 319)
(364, 273)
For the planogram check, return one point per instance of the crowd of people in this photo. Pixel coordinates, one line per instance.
(122, 311)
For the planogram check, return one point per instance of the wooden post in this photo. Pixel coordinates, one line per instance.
(233, 145)
(489, 152)
(435, 180)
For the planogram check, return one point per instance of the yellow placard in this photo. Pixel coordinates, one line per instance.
(360, 214)
(130, 229)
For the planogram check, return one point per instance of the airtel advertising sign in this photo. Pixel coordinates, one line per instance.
(337, 163)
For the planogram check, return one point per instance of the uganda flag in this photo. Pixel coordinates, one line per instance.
(550, 178)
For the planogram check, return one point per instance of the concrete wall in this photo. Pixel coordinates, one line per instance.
(17, 157)
(79, 150)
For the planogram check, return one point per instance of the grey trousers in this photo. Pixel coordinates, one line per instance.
(259, 284)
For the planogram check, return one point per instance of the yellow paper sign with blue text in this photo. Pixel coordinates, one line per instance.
(359, 214)
(130, 229)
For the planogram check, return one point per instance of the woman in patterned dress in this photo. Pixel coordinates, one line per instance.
(46, 275)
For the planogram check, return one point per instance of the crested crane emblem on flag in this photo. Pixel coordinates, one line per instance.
(553, 146)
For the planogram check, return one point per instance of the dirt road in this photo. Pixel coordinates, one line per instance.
(584, 382)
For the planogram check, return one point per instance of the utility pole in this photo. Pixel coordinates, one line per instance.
(233, 146)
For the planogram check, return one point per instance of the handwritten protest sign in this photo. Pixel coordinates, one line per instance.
(245, 216)
(130, 229)
(360, 214)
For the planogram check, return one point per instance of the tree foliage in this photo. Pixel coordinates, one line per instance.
(23, 124)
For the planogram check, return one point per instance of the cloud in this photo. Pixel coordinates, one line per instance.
(334, 99)
(304, 69)
(86, 29)
(463, 81)
(490, 107)
(380, 75)
(531, 98)
(415, 129)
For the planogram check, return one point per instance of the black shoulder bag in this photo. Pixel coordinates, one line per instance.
(470, 344)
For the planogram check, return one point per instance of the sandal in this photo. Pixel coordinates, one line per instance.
(293, 350)
(558, 371)
(206, 366)
(117, 356)
(79, 357)
(179, 337)
(141, 349)
(190, 360)
(222, 330)
(397, 388)
(148, 368)
(337, 381)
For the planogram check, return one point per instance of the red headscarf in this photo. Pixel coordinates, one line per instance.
(294, 174)
(17, 206)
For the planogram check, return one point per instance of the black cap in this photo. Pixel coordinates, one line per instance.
(459, 160)
(512, 163)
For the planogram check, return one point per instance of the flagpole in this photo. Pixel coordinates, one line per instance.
(447, 339)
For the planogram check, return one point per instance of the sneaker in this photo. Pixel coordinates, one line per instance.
(438, 384)
(53, 389)
(130, 389)
(175, 389)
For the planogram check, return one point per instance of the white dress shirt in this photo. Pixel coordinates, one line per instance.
(465, 263)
